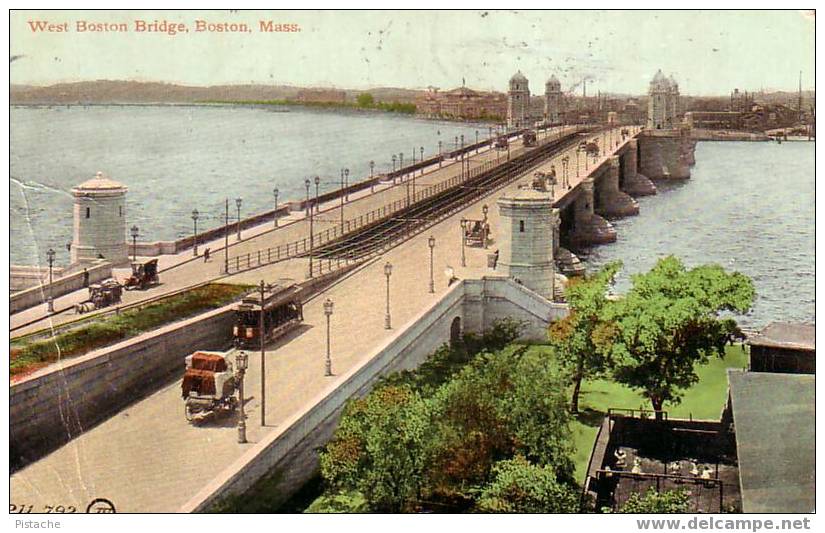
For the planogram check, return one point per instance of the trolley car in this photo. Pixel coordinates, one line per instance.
(282, 311)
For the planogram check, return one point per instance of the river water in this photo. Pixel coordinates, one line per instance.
(178, 158)
(749, 207)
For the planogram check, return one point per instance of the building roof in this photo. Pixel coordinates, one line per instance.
(461, 91)
(774, 418)
(553, 82)
(526, 195)
(100, 183)
(518, 76)
(786, 335)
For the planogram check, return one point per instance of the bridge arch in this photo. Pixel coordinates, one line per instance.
(455, 331)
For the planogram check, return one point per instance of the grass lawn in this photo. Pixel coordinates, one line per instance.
(704, 400)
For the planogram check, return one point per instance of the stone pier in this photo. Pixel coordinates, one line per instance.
(588, 227)
(666, 156)
(612, 202)
(633, 182)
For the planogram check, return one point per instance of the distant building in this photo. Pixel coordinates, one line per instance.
(462, 103)
(518, 102)
(784, 347)
(663, 104)
(553, 101)
(321, 96)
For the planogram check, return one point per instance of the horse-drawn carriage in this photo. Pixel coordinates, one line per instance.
(144, 274)
(101, 295)
(476, 232)
(209, 385)
(590, 148)
(529, 138)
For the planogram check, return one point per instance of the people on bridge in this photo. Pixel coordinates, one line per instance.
(206, 255)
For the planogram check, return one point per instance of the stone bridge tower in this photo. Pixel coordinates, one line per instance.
(518, 101)
(661, 107)
(99, 221)
(552, 100)
(528, 222)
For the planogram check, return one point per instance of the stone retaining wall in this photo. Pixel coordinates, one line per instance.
(51, 407)
(25, 299)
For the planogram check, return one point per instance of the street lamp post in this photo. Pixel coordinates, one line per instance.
(431, 243)
(393, 163)
(307, 184)
(421, 151)
(238, 203)
(456, 142)
(50, 304)
(135, 232)
(476, 141)
(401, 162)
(463, 240)
(372, 181)
(439, 153)
(275, 214)
(262, 288)
(346, 184)
(241, 361)
(388, 273)
(226, 237)
(328, 312)
(484, 210)
(342, 200)
(195, 215)
(564, 162)
(317, 186)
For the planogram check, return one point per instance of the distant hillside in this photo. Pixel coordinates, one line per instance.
(128, 92)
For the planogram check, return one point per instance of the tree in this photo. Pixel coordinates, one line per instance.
(379, 449)
(365, 100)
(521, 487)
(572, 336)
(667, 323)
(669, 501)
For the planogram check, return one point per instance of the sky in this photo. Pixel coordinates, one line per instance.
(708, 52)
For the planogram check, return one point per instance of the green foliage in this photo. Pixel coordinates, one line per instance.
(521, 487)
(669, 501)
(27, 355)
(667, 323)
(365, 100)
(434, 435)
(572, 337)
(379, 448)
(339, 502)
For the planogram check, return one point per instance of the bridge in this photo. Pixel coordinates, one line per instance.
(111, 423)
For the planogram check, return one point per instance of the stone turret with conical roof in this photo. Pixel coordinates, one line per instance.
(552, 100)
(99, 221)
(518, 101)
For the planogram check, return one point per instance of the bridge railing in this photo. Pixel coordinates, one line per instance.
(302, 247)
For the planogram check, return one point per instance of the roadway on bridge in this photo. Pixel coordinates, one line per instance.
(183, 270)
(148, 458)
